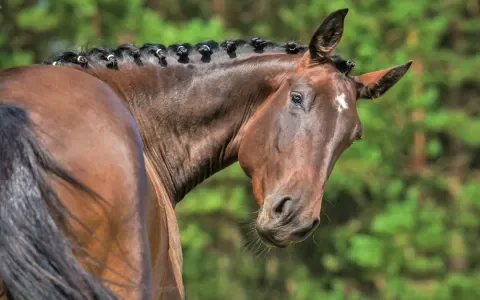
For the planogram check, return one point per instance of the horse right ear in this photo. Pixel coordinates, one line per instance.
(374, 84)
(328, 35)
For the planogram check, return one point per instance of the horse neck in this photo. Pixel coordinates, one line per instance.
(191, 118)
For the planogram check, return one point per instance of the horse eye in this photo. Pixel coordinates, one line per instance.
(296, 98)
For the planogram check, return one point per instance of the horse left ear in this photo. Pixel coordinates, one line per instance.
(324, 40)
(374, 84)
(328, 35)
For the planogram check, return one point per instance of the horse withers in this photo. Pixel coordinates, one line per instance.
(98, 147)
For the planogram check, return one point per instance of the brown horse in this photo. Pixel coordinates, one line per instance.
(96, 150)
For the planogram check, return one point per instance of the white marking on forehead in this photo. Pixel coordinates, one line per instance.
(340, 102)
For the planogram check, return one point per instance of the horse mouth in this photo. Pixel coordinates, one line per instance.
(271, 242)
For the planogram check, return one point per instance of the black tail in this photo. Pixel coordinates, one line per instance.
(36, 258)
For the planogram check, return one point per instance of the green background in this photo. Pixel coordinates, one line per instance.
(401, 214)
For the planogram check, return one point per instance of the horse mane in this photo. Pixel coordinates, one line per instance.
(185, 53)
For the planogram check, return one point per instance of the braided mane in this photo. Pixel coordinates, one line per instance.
(185, 53)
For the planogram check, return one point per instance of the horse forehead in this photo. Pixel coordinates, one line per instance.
(342, 96)
(340, 101)
(327, 78)
(335, 87)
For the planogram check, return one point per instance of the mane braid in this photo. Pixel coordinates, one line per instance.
(203, 52)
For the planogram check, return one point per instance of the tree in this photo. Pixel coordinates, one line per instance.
(400, 218)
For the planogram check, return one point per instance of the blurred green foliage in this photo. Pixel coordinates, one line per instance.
(401, 214)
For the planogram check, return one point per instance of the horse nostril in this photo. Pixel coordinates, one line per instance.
(282, 207)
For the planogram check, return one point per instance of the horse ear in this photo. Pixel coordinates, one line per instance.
(374, 84)
(328, 35)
